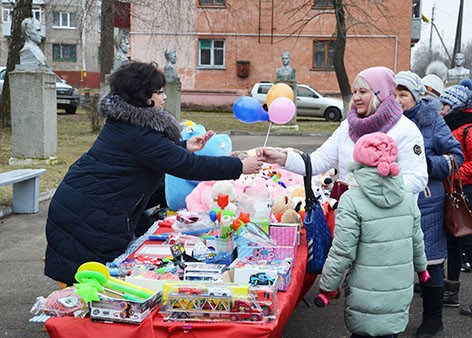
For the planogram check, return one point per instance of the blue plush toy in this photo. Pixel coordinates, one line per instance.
(177, 189)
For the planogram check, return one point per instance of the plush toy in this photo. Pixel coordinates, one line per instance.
(282, 204)
(177, 189)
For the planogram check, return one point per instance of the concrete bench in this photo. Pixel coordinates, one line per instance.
(25, 189)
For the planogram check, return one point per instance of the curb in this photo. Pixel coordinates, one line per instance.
(44, 196)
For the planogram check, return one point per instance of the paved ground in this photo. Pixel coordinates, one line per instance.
(22, 245)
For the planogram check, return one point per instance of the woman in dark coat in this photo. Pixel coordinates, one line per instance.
(96, 208)
(439, 145)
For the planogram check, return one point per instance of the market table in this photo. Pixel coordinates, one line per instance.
(155, 326)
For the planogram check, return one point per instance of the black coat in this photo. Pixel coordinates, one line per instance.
(95, 210)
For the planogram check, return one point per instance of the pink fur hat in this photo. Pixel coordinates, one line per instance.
(377, 150)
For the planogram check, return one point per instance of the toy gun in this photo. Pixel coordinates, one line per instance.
(94, 277)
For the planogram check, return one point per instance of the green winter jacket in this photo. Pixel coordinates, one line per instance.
(379, 243)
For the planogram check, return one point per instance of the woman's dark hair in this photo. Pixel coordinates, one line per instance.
(136, 81)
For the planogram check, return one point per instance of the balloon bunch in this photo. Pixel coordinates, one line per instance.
(281, 108)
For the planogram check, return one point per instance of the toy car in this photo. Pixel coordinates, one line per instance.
(261, 278)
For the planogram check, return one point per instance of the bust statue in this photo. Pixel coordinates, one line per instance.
(170, 72)
(459, 72)
(31, 56)
(122, 49)
(286, 72)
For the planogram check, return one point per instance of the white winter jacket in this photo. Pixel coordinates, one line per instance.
(337, 152)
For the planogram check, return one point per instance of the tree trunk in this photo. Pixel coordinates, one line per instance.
(340, 47)
(107, 45)
(21, 11)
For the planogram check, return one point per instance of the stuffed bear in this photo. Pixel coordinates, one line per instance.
(177, 189)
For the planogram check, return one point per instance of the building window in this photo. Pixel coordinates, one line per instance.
(64, 53)
(211, 53)
(212, 2)
(323, 3)
(63, 20)
(7, 14)
(323, 54)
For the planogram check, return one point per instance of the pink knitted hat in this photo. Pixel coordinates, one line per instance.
(377, 150)
(381, 79)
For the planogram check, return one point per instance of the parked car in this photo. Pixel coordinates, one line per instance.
(309, 102)
(68, 97)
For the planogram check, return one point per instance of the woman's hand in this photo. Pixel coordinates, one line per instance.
(197, 143)
(252, 165)
(273, 155)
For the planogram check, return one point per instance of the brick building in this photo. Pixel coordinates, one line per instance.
(225, 46)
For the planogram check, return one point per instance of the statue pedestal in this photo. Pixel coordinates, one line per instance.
(173, 91)
(33, 117)
(292, 124)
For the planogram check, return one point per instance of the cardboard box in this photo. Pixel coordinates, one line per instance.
(246, 272)
(123, 311)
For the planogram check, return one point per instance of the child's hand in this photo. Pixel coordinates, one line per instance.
(424, 276)
(324, 298)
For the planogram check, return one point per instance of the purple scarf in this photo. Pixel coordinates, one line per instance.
(383, 119)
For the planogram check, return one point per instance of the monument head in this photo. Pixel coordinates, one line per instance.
(31, 56)
(459, 59)
(286, 58)
(122, 49)
(31, 30)
(286, 72)
(170, 55)
(459, 72)
(169, 69)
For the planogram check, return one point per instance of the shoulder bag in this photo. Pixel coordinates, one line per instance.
(457, 215)
(318, 234)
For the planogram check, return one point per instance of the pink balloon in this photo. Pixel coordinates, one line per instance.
(281, 110)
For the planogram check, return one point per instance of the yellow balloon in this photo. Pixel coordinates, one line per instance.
(279, 90)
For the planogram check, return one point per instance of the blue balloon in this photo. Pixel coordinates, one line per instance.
(248, 110)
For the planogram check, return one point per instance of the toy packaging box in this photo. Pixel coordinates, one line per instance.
(262, 273)
(123, 311)
(285, 238)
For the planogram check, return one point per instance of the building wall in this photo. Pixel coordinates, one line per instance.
(381, 36)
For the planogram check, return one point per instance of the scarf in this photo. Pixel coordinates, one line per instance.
(383, 119)
(116, 108)
(457, 118)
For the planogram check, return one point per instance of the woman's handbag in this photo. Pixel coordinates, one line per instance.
(317, 232)
(457, 215)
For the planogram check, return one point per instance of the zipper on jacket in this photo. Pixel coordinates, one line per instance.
(132, 211)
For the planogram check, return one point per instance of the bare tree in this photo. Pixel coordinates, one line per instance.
(21, 10)
(106, 38)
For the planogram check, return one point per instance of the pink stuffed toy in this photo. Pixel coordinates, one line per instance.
(200, 198)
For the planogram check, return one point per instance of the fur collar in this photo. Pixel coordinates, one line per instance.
(116, 108)
(424, 113)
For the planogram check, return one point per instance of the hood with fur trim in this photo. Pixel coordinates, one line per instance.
(424, 112)
(116, 108)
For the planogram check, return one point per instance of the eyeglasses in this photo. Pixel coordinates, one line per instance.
(159, 92)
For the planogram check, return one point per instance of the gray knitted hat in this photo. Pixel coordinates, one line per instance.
(411, 81)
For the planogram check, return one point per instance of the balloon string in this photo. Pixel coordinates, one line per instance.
(267, 136)
(265, 144)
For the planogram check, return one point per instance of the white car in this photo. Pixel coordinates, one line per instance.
(68, 97)
(309, 102)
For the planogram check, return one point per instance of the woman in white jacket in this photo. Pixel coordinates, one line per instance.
(372, 109)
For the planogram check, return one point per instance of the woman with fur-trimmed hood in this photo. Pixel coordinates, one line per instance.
(96, 208)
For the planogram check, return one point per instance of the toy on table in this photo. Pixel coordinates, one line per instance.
(177, 189)
(94, 277)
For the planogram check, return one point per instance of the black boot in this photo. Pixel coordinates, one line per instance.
(451, 293)
(466, 310)
(432, 312)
